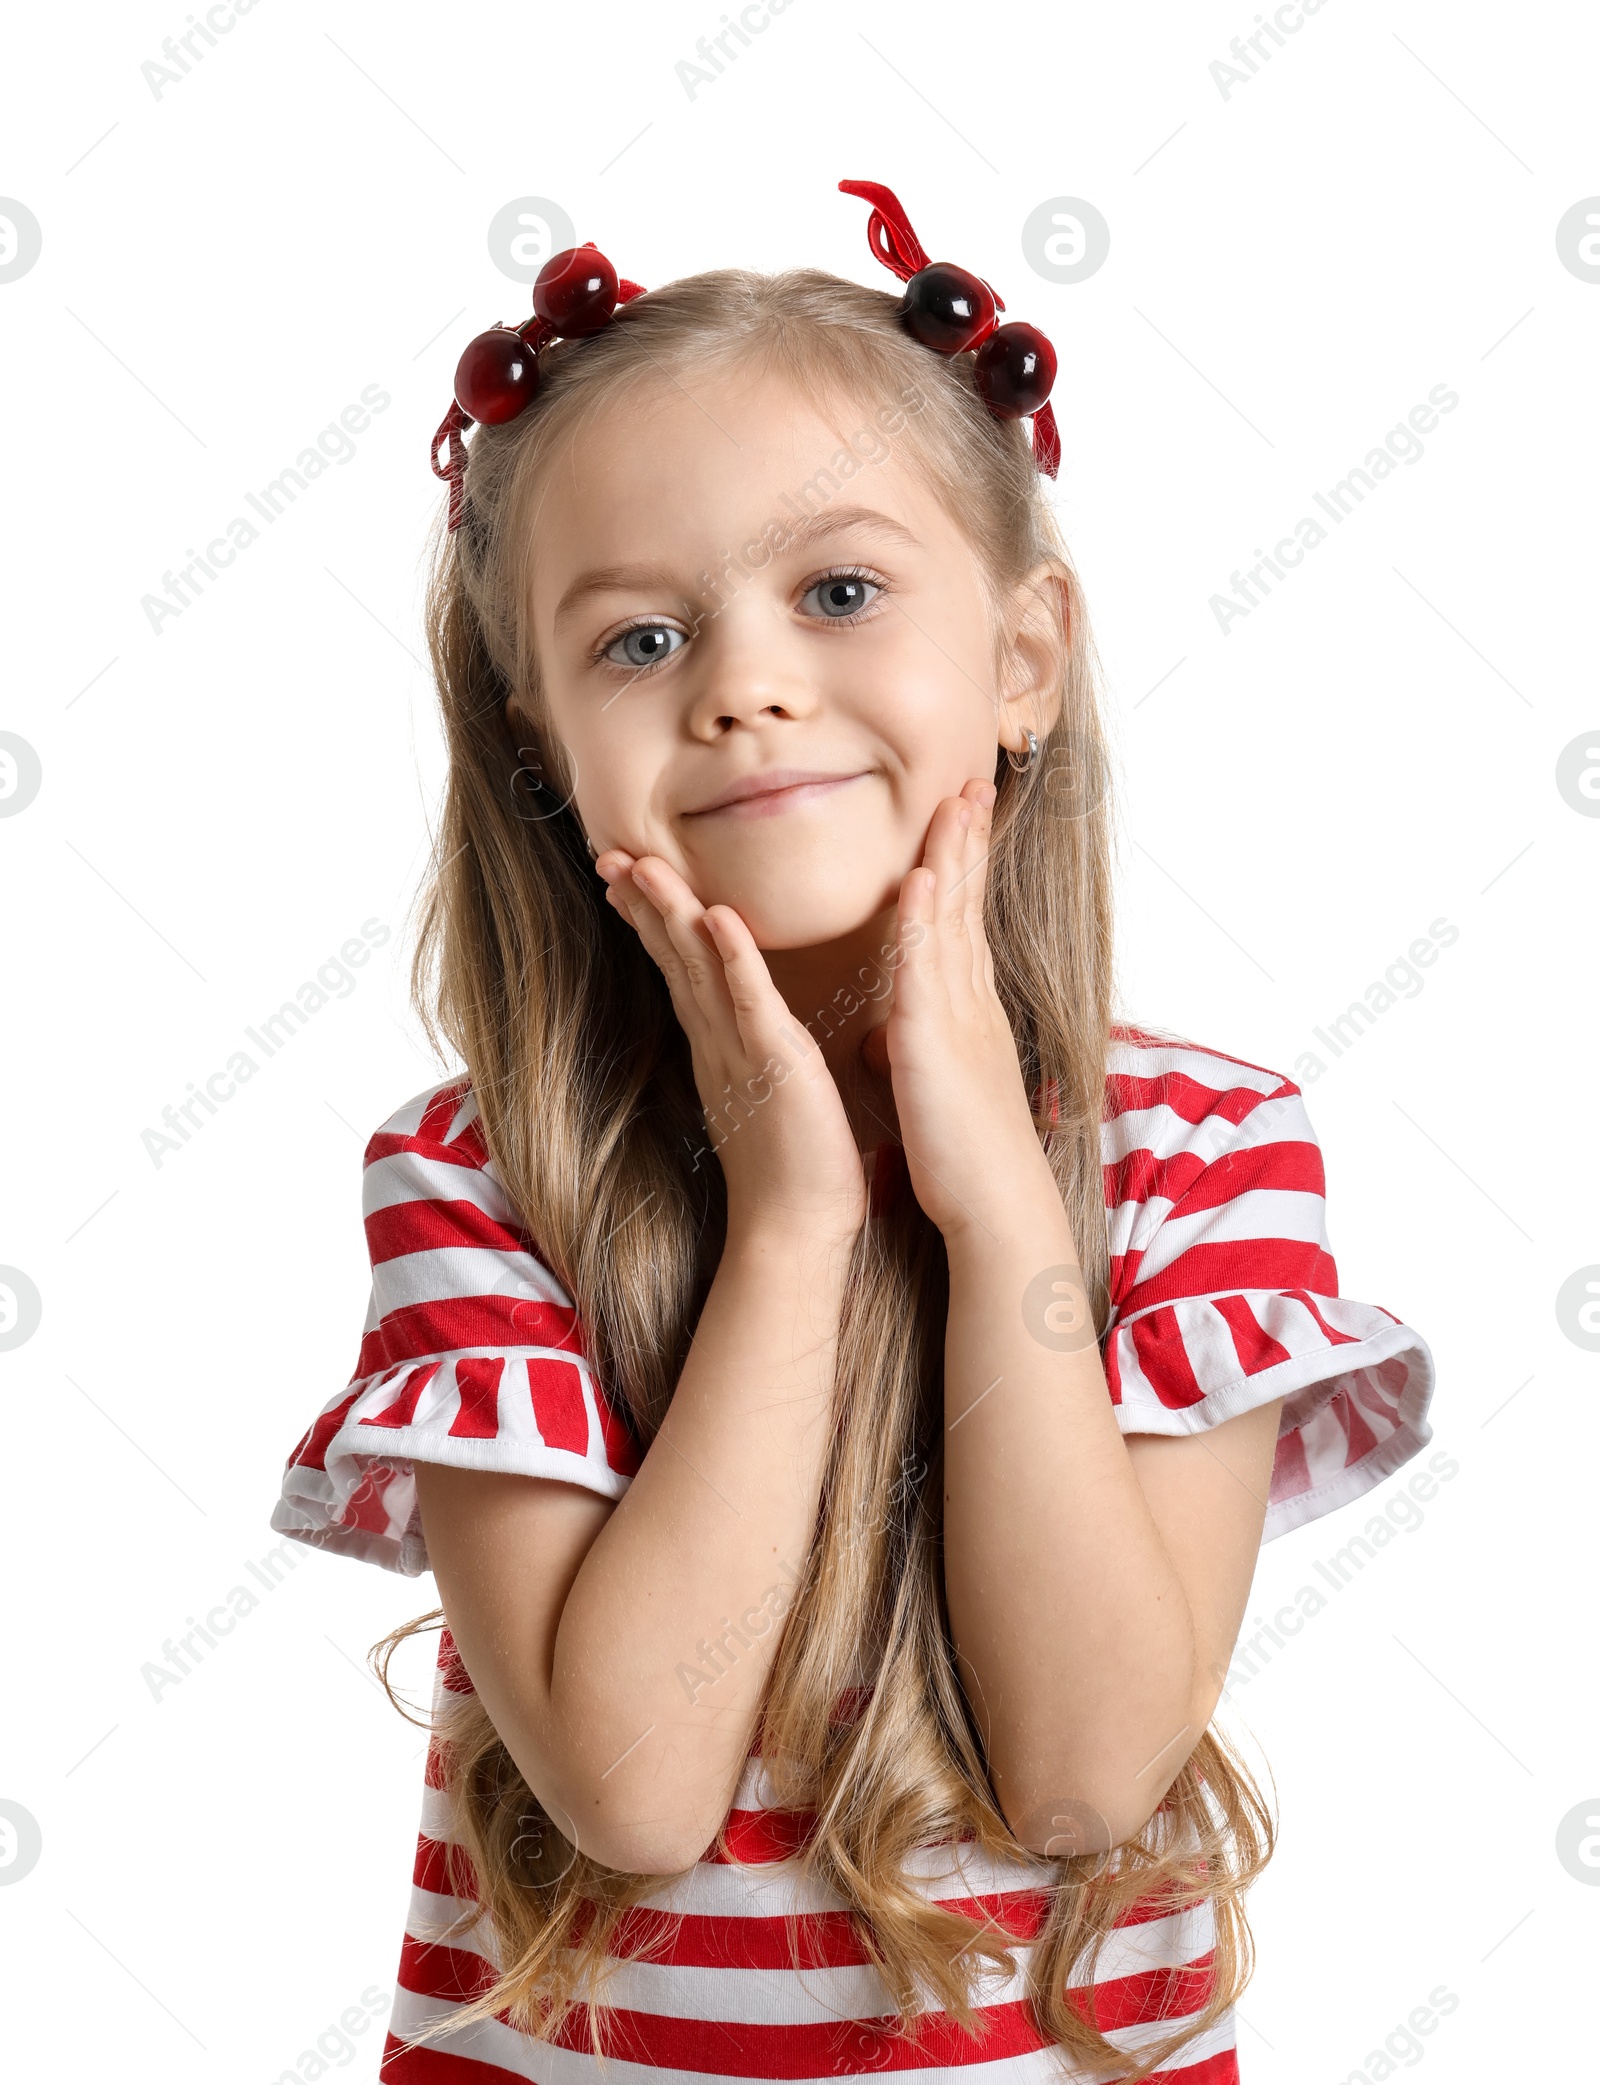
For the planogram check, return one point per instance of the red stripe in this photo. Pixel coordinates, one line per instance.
(429, 1226)
(430, 1970)
(558, 1407)
(1282, 1167)
(1188, 1098)
(1337, 1339)
(312, 1446)
(1164, 1359)
(432, 1867)
(404, 1408)
(478, 1380)
(366, 1508)
(808, 1940)
(1150, 1996)
(386, 1144)
(442, 1110)
(452, 1673)
(827, 2048)
(417, 1331)
(1254, 1345)
(1141, 1176)
(1221, 2069)
(1238, 1263)
(1360, 1440)
(753, 1837)
(622, 1450)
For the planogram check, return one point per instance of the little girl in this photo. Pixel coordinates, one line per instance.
(838, 1376)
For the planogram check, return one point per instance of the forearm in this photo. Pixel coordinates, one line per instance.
(1075, 1638)
(672, 1621)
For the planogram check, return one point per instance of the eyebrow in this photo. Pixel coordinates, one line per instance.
(803, 534)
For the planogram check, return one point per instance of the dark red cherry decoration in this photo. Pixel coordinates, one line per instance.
(576, 292)
(947, 308)
(1014, 370)
(497, 375)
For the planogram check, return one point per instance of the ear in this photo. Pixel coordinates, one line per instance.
(1037, 644)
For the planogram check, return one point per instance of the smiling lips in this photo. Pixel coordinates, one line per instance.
(762, 796)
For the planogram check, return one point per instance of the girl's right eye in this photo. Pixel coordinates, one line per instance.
(647, 644)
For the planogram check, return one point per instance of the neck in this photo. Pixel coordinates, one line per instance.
(841, 991)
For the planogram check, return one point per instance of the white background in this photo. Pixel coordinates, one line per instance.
(1292, 267)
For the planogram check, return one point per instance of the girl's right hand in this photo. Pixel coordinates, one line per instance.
(774, 1115)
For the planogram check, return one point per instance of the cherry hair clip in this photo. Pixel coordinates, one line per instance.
(576, 292)
(574, 295)
(950, 310)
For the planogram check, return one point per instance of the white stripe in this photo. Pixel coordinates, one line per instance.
(1269, 1214)
(696, 1991)
(444, 1273)
(1190, 1061)
(1166, 1134)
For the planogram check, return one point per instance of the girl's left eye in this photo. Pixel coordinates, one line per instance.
(646, 644)
(842, 595)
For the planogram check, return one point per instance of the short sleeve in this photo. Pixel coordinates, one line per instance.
(471, 1353)
(1226, 1296)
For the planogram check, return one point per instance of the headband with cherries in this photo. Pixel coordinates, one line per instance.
(947, 308)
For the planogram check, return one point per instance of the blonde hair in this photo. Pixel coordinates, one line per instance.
(527, 973)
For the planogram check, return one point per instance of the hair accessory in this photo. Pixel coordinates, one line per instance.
(574, 295)
(577, 293)
(1022, 766)
(951, 310)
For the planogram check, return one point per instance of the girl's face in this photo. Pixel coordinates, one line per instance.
(715, 606)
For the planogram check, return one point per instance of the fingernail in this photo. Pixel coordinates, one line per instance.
(986, 795)
(610, 873)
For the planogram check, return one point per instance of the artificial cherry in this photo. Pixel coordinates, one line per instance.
(1014, 370)
(947, 308)
(576, 292)
(497, 375)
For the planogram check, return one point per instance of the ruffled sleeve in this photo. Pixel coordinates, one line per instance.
(1226, 1296)
(471, 1353)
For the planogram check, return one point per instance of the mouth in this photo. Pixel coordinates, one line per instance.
(781, 789)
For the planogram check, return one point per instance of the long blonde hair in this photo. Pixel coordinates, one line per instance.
(590, 1113)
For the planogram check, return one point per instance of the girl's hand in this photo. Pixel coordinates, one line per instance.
(773, 1113)
(965, 1122)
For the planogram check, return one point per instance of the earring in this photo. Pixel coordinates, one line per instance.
(594, 852)
(1022, 766)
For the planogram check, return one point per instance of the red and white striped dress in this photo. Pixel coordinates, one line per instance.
(1225, 1296)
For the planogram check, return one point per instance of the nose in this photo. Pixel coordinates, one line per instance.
(749, 667)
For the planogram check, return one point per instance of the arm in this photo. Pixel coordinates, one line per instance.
(585, 1626)
(621, 1653)
(1094, 1585)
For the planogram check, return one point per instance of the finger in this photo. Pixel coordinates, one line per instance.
(760, 1010)
(630, 900)
(918, 969)
(683, 917)
(945, 852)
(975, 874)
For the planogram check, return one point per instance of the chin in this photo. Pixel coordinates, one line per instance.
(805, 902)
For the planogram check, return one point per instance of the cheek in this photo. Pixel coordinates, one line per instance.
(621, 768)
(928, 692)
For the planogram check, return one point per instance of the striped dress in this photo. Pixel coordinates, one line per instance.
(1224, 1297)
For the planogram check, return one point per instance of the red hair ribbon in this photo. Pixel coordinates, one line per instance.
(950, 310)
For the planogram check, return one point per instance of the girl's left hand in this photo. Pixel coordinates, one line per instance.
(965, 1122)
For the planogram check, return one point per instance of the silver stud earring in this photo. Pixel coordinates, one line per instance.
(594, 851)
(1022, 766)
